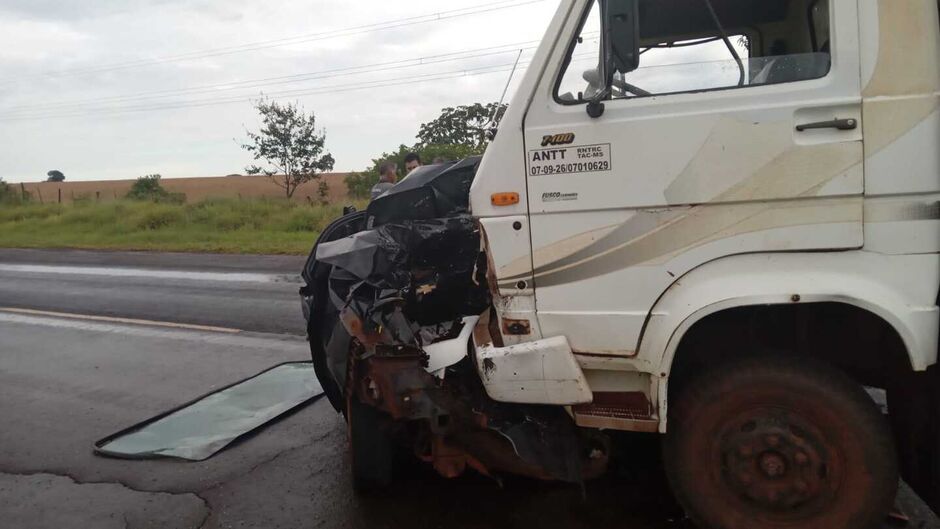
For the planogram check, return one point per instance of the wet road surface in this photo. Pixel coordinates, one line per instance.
(66, 382)
(254, 293)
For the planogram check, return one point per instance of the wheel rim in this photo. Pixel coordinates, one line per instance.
(778, 463)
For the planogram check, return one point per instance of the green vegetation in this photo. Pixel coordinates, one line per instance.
(289, 145)
(5, 191)
(464, 125)
(454, 135)
(263, 226)
(292, 151)
(148, 188)
(55, 176)
(11, 194)
(360, 184)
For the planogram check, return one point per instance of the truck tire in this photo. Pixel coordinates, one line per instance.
(371, 450)
(780, 443)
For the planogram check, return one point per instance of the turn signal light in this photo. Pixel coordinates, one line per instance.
(504, 199)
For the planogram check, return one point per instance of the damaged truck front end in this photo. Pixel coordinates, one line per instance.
(393, 297)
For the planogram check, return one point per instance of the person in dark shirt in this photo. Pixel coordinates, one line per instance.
(412, 162)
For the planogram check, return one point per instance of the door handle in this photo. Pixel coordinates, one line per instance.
(841, 124)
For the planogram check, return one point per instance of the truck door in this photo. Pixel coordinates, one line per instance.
(698, 154)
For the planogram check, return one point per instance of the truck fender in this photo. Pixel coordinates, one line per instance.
(891, 287)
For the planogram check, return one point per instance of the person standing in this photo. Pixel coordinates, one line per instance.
(388, 175)
(412, 162)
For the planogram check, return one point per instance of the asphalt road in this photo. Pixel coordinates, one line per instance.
(68, 381)
(253, 293)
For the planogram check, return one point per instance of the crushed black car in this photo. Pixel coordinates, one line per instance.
(391, 297)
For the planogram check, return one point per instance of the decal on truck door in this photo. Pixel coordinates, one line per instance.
(567, 160)
(558, 139)
(558, 196)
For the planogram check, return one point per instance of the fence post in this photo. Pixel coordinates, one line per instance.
(97, 196)
(23, 190)
(39, 192)
(60, 195)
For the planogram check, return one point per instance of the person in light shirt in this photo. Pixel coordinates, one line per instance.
(388, 175)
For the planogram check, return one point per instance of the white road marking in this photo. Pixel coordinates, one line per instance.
(125, 321)
(241, 277)
(280, 345)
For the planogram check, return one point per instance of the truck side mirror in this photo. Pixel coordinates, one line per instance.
(622, 36)
(621, 47)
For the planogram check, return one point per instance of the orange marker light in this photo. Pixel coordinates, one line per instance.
(504, 199)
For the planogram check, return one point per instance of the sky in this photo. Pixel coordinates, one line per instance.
(115, 89)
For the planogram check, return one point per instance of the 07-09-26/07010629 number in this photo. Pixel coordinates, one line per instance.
(573, 167)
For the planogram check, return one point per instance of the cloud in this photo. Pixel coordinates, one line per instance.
(90, 9)
(52, 55)
(25, 41)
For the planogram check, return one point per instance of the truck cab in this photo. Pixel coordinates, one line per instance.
(719, 220)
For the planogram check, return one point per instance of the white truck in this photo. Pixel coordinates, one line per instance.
(715, 220)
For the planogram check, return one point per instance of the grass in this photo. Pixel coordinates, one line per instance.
(257, 226)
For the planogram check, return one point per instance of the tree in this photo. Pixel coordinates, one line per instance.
(464, 125)
(359, 185)
(149, 188)
(456, 134)
(289, 144)
(448, 153)
(55, 176)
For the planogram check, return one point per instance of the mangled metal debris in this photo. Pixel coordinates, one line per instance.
(393, 296)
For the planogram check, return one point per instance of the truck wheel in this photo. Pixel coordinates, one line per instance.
(780, 443)
(371, 449)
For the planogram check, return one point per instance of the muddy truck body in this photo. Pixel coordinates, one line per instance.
(714, 220)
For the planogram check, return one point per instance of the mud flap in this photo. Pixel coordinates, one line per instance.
(914, 406)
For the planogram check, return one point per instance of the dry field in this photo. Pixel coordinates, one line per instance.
(195, 189)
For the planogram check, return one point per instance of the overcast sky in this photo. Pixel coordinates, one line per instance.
(95, 89)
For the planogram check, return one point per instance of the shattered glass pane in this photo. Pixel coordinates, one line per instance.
(199, 430)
